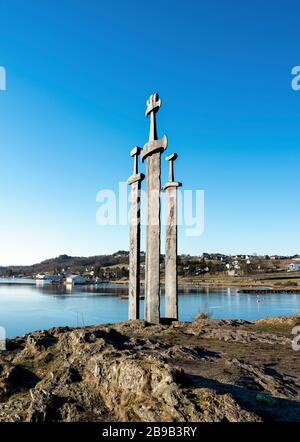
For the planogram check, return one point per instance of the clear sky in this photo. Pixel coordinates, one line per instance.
(78, 75)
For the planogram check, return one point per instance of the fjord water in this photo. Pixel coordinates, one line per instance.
(27, 307)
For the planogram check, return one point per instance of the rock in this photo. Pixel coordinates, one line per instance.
(132, 371)
(141, 388)
(222, 408)
(43, 407)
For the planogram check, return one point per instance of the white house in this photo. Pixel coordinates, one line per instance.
(75, 279)
(294, 267)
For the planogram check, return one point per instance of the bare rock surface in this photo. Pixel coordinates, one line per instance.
(208, 370)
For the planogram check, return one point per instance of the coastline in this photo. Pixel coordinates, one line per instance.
(226, 284)
(249, 287)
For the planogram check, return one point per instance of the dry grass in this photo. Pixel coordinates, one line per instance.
(203, 315)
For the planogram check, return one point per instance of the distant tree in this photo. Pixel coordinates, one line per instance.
(98, 272)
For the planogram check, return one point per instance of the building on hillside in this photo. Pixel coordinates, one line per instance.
(294, 267)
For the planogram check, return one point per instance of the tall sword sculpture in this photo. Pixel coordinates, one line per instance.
(135, 238)
(152, 153)
(171, 292)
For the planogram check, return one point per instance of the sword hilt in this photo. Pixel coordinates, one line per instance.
(153, 104)
(135, 153)
(171, 158)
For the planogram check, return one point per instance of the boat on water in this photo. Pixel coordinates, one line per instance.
(123, 297)
(41, 278)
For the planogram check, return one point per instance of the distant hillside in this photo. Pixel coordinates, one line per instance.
(115, 266)
(69, 264)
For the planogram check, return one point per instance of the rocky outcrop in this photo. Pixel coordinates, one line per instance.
(132, 371)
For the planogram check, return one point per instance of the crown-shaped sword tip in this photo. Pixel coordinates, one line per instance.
(153, 103)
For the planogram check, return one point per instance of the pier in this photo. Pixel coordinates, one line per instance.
(260, 291)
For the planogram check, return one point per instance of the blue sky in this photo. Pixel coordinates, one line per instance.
(78, 75)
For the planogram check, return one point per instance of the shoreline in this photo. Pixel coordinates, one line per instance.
(255, 288)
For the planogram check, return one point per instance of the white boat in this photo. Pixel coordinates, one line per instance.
(48, 278)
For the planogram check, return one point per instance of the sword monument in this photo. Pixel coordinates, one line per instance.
(135, 238)
(171, 290)
(151, 152)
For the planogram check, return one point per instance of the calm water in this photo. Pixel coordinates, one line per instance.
(24, 308)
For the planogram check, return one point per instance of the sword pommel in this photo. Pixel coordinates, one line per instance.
(153, 104)
(135, 151)
(172, 157)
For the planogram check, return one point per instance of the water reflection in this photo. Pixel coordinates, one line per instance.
(27, 307)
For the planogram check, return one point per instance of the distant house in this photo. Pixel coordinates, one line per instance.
(294, 267)
(75, 280)
(236, 265)
(121, 253)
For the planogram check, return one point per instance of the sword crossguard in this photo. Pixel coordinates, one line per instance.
(153, 104)
(154, 146)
